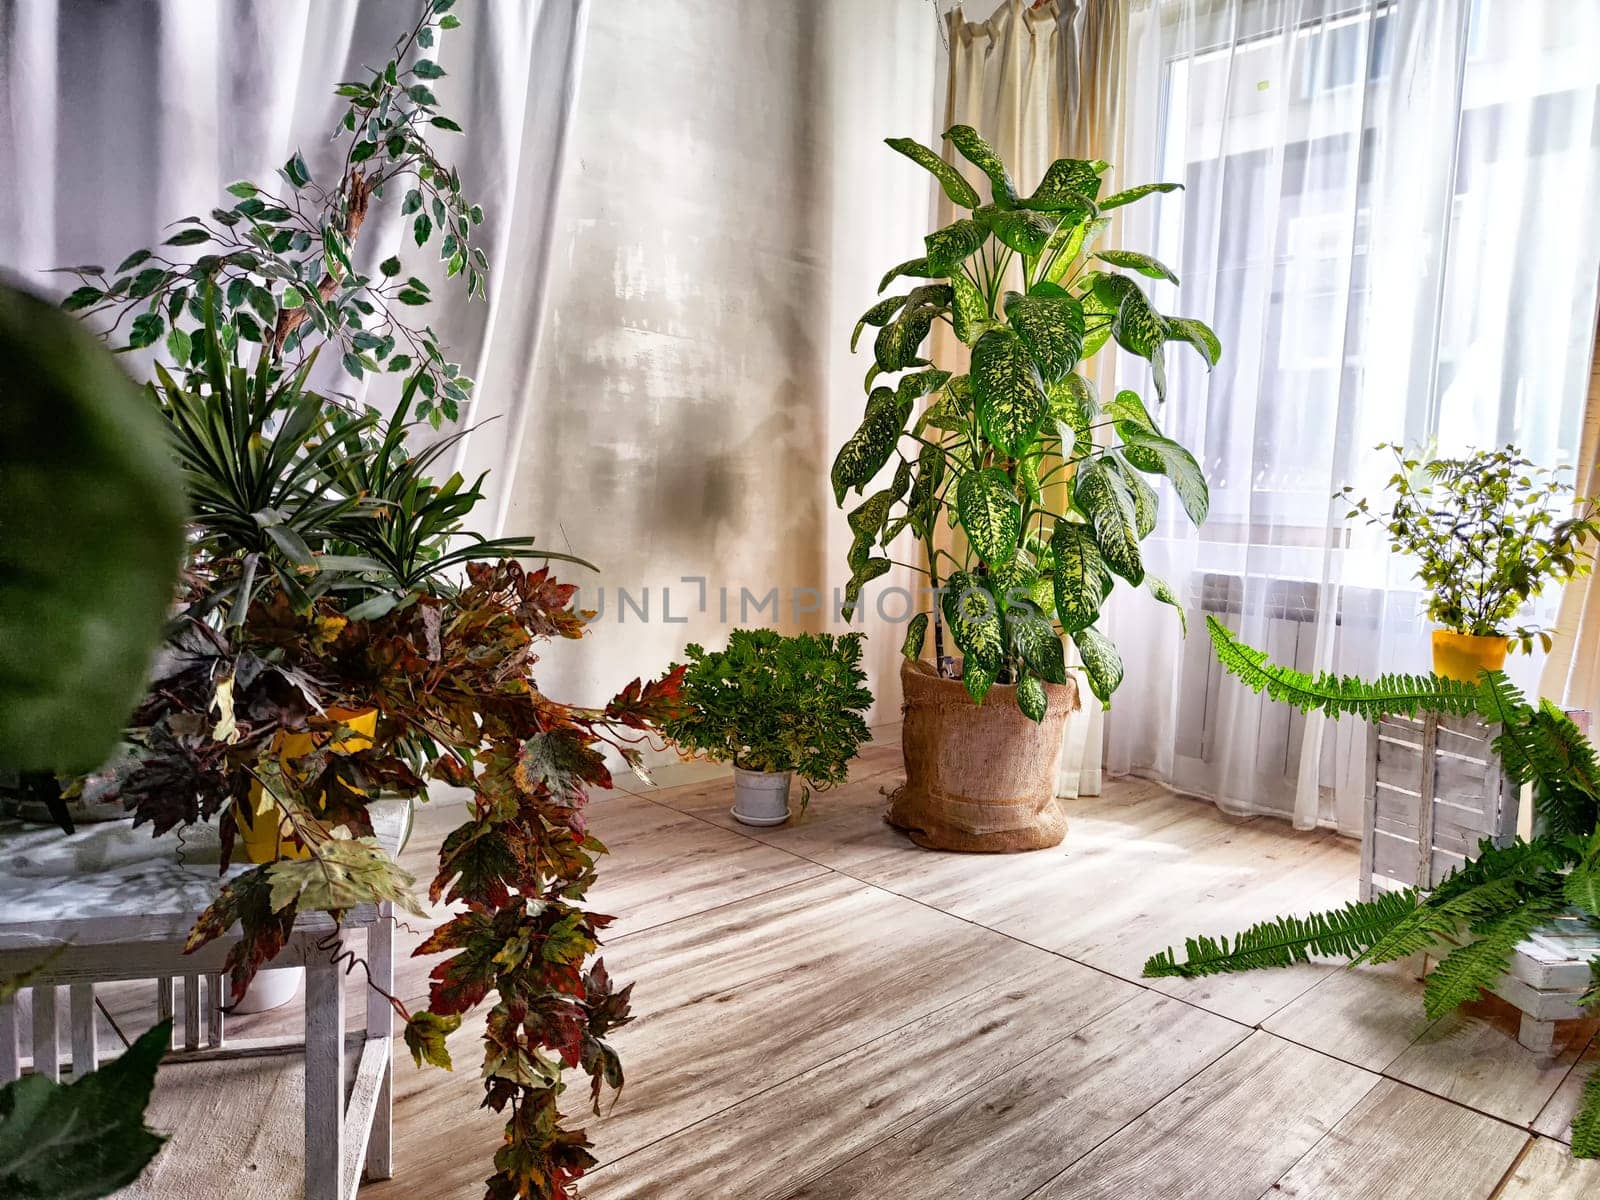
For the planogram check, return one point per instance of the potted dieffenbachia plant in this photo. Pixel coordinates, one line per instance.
(774, 707)
(1046, 481)
(1488, 531)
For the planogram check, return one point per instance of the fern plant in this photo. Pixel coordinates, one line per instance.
(1478, 914)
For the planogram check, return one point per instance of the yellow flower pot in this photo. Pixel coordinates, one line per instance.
(1465, 656)
(265, 834)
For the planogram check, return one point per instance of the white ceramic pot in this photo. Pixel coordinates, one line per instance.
(272, 988)
(761, 797)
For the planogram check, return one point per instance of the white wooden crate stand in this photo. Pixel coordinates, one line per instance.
(112, 903)
(1435, 790)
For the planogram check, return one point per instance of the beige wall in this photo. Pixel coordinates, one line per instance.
(727, 210)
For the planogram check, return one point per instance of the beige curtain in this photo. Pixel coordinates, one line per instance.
(1038, 81)
(1571, 675)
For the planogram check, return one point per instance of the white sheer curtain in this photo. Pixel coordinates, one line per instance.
(120, 116)
(1389, 219)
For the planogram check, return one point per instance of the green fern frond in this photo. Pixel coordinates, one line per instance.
(1586, 1124)
(1283, 941)
(1478, 965)
(1543, 747)
(1340, 695)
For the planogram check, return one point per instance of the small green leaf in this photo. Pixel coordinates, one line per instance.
(132, 261)
(81, 298)
(188, 237)
(1199, 335)
(1162, 591)
(1101, 663)
(426, 1035)
(916, 631)
(1031, 698)
(869, 570)
(244, 189)
(292, 297)
(147, 330)
(426, 68)
(1136, 193)
(1141, 263)
(179, 346)
(412, 203)
(446, 124)
(422, 228)
(390, 267)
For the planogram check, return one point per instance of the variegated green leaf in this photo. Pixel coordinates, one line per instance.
(1118, 199)
(1138, 328)
(1023, 229)
(870, 446)
(1068, 183)
(876, 316)
(1100, 309)
(1052, 329)
(1007, 391)
(1142, 263)
(1012, 581)
(899, 340)
(860, 551)
(1099, 493)
(981, 155)
(925, 485)
(1081, 578)
(1145, 503)
(977, 679)
(1101, 663)
(1037, 643)
(1128, 408)
(949, 247)
(1154, 454)
(1068, 242)
(1028, 477)
(1043, 592)
(868, 520)
(969, 313)
(912, 266)
(990, 515)
(915, 386)
(1198, 334)
(973, 618)
(1072, 404)
(916, 632)
(1031, 698)
(957, 188)
(864, 574)
(1162, 591)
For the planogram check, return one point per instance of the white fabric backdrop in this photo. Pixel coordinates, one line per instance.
(123, 115)
(1390, 221)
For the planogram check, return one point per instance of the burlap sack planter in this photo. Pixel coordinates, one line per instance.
(979, 778)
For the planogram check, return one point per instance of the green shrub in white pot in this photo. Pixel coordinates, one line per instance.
(775, 707)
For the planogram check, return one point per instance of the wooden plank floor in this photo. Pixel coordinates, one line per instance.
(825, 1012)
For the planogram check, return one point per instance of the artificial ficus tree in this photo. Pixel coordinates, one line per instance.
(281, 258)
(986, 447)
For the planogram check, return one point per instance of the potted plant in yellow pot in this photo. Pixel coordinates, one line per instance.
(1047, 482)
(1488, 531)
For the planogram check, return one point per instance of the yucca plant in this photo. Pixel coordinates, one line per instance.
(1478, 914)
(983, 453)
(411, 537)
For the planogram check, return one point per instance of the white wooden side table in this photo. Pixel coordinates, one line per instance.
(112, 903)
